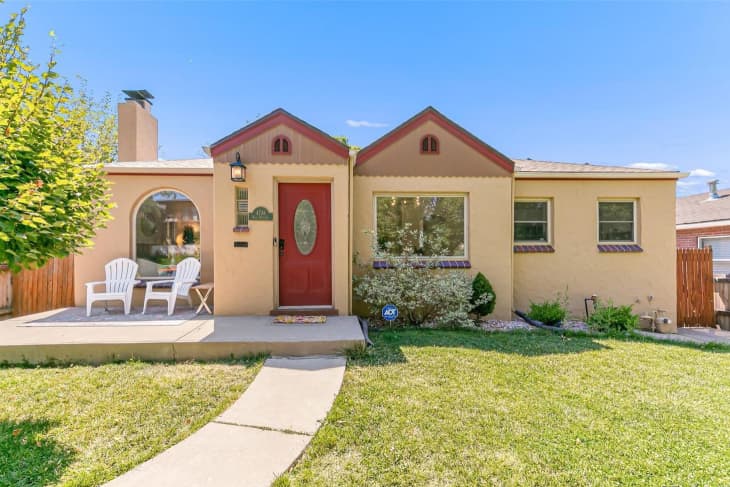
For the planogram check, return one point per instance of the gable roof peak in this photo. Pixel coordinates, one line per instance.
(276, 117)
(432, 114)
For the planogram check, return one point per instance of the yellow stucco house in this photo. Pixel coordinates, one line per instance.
(279, 212)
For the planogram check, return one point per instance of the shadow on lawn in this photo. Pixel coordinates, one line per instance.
(388, 343)
(27, 457)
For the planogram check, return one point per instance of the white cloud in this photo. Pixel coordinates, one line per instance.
(656, 166)
(686, 184)
(702, 173)
(365, 123)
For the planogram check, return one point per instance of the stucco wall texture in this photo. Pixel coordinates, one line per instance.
(128, 192)
(246, 279)
(578, 266)
(489, 203)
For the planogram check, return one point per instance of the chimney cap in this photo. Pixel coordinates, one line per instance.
(139, 96)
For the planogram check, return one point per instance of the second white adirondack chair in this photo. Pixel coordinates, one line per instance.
(186, 273)
(118, 285)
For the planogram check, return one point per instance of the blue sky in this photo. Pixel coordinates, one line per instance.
(613, 83)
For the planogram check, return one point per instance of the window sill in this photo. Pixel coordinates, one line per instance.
(240, 229)
(533, 249)
(619, 248)
(442, 264)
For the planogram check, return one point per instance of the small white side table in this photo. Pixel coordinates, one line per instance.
(208, 288)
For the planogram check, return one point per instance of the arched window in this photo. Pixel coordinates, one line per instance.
(281, 145)
(429, 145)
(167, 230)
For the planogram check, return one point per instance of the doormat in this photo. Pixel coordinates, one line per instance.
(299, 319)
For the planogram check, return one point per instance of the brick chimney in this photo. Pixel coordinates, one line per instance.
(137, 127)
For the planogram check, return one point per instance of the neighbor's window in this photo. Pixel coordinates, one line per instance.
(617, 221)
(167, 230)
(281, 145)
(532, 222)
(433, 221)
(429, 145)
(720, 253)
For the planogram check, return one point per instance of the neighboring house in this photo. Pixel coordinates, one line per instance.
(703, 220)
(291, 234)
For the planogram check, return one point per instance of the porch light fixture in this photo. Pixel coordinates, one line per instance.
(238, 170)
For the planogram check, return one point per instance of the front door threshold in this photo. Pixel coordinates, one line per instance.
(328, 311)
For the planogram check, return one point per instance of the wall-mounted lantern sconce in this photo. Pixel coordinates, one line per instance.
(238, 170)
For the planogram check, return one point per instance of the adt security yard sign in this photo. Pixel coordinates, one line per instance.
(390, 312)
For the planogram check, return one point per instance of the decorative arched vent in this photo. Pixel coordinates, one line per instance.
(281, 145)
(429, 145)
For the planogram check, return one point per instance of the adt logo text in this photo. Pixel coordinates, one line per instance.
(390, 312)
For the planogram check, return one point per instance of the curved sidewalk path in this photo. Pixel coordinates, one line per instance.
(255, 440)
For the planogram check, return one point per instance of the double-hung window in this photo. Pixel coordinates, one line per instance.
(433, 225)
(532, 221)
(720, 253)
(617, 221)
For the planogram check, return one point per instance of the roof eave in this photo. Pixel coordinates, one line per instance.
(704, 224)
(598, 175)
(115, 170)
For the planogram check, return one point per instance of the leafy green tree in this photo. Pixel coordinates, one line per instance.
(54, 141)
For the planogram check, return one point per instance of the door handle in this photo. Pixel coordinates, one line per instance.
(281, 247)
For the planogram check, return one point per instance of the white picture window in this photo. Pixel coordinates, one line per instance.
(437, 223)
(720, 253)
(617, 221)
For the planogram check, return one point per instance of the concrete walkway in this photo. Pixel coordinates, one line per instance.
(693, 335)
(258, 437)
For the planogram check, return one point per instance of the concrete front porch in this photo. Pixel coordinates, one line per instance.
(65, 335)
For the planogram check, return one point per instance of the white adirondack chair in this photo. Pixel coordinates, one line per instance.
(186, 274)
(118, 285)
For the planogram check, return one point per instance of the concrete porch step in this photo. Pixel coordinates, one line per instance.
(211, 338)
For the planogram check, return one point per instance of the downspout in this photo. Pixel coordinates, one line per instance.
(513, 188)
(351, 192)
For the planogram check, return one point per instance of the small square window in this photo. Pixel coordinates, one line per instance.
(617, 221)
(532, 221)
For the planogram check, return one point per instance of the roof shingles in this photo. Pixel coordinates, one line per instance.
(700, 208)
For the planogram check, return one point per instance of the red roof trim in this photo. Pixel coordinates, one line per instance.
(433, 115)
(278, 117)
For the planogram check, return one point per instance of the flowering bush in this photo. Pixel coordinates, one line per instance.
(423, 293)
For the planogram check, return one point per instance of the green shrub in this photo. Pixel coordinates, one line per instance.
(424, 294)
(188, 235)
(481, 286)
(551, 311)
(608, 317)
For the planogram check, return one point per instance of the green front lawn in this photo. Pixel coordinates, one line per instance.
(471, 408)
(84, 425)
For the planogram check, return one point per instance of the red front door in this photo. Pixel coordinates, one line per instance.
(305, 244)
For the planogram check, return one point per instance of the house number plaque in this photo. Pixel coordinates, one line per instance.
(260, 214)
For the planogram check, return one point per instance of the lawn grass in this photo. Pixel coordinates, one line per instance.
(84, 425)
(427, 407)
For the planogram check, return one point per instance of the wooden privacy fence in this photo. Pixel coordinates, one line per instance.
(6, 291)
(722, 302)
(695, 290)
(33, 291)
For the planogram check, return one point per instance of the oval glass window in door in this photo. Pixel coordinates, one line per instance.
(305, 227)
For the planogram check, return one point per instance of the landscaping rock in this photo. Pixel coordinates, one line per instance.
(506, 325)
